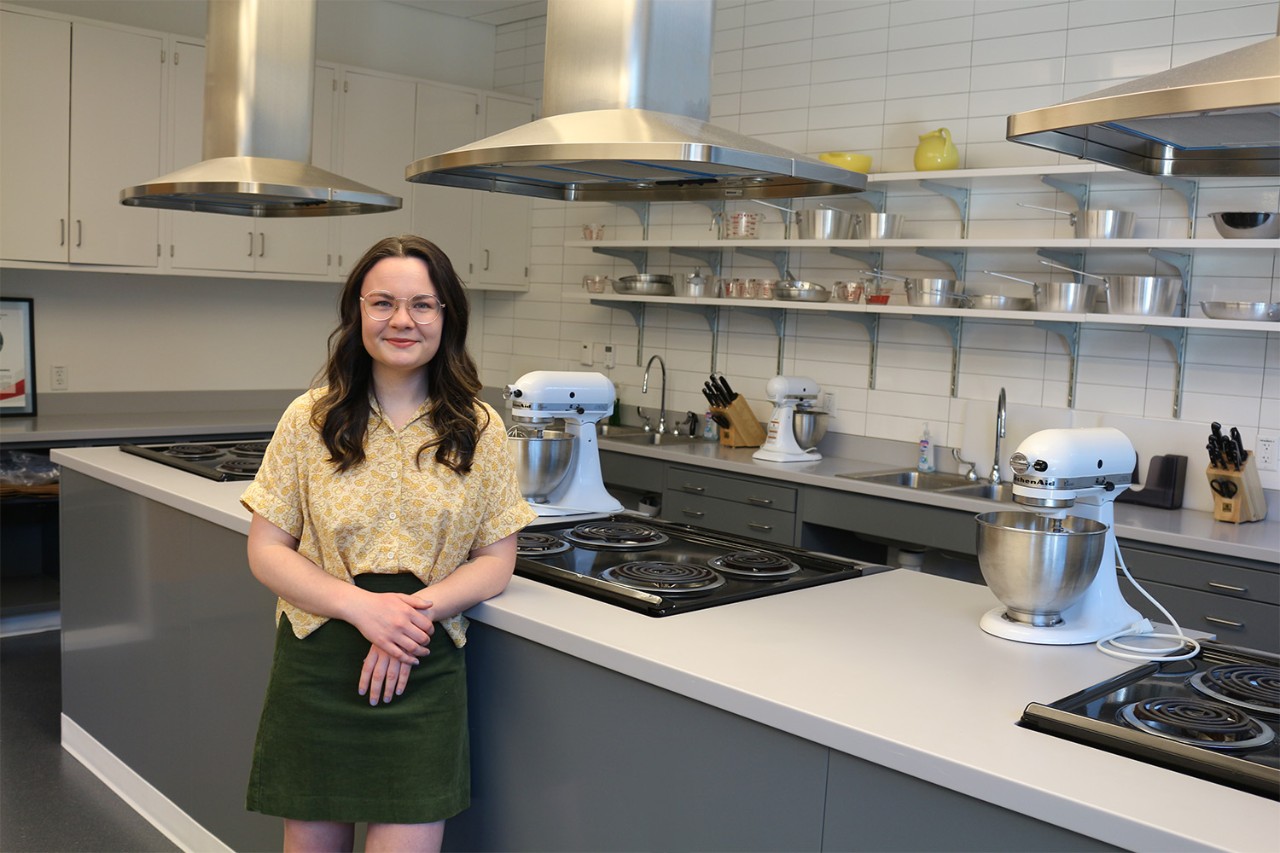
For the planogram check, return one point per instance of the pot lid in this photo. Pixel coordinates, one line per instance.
(626, 95)
(260, 69)
(1216, 117)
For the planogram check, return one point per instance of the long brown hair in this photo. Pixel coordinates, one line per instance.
(342, 414)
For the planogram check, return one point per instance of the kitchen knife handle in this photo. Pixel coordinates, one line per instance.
(1226, 623)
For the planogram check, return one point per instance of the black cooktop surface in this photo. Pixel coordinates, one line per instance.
(660, 569)
(1215, 716)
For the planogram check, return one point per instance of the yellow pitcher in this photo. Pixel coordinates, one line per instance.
(936, 151)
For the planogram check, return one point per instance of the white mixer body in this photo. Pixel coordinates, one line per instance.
(581, 400)
(787, 393)
(1077, 472)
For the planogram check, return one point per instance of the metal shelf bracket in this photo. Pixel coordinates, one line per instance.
(956, 260)
(1190, 192)
(638, 258)
(636, 310)
(871, 322)
(958, 195)
(1070, 334)
(778, 317)
(953, 326)
(873, 258)
(781, 259)
(1177, 338)
(712, 259)
(1079, 192)
(711, 314)
(641, 210)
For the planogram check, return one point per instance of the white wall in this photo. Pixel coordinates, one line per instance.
(872, 75)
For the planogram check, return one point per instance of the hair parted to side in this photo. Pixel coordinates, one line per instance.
(342, 414)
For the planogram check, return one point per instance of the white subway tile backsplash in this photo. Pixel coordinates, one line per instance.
(819, 75)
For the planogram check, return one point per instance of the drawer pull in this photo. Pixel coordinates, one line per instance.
(759, 501)
(1226, 623)
(689, 487)
(692, 513)
(1228, 587)
(755, 525)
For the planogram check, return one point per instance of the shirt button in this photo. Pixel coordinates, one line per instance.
(392, 516)
(395, 474)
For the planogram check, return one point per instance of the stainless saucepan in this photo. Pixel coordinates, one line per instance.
(1143, 295)
(1066, 297)
(930, 292)
(1096, 224)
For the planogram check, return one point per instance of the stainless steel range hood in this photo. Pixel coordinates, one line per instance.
(1216, 117)
(626, 95)
(260, 69)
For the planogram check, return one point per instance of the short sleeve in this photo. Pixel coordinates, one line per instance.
(276, 492)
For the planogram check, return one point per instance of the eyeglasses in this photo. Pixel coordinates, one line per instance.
(423, 308)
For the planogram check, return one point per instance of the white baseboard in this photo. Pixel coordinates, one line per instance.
(141, 795)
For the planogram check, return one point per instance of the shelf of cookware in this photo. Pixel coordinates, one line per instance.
(935, 242)
(951, 320)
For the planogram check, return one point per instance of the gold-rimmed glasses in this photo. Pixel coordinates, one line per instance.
(380, 305)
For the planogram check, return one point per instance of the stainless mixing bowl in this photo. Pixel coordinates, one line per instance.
(1036, 565)
(542, 460)
(809, 427)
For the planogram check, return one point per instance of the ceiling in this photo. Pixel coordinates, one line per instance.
(485, 11)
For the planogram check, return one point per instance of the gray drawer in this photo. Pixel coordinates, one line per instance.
(1185, 570)
(722, 516)
(1233, 620)
(887, 520)
(742, 490)
(632, 472)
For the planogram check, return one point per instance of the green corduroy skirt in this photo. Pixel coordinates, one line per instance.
(324, 753)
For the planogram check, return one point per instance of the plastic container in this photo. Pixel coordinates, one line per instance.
(709, 429)
(926, 462)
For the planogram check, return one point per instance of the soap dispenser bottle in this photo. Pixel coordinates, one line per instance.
(925, 464)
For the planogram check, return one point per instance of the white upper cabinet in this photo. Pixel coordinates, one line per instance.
(69, 165)
(376, 142)
(214, 241)
(447, 216)
(485, 235)
(503, 233)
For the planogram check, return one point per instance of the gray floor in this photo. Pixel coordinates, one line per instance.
(48, 800)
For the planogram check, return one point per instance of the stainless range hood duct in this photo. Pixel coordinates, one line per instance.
(626, 95)
(1216, 117)
(260, 70)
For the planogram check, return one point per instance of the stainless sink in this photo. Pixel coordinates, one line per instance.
(990, 491)
(913, 479)
(654, 438)
(619, 431)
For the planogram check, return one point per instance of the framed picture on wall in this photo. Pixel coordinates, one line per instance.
(17, 357)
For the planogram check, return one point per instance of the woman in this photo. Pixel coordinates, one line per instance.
(386, 505)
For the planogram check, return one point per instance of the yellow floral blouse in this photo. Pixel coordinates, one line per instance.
(386, 515)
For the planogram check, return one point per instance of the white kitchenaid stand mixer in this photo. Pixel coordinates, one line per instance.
(581, 400)
(1078, 472)
(787, 393)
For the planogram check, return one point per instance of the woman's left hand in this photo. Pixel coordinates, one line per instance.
(382, 676)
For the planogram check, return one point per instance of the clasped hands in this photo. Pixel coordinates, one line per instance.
(399, 627)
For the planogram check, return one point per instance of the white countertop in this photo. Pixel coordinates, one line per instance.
(865, 669)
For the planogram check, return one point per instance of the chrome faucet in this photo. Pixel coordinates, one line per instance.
(1000, 416)
(662, 398)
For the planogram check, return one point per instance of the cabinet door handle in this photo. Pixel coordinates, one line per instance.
(262, 243)
(692, 513)
(1226, 623)
(1226, 587)
(79, 233)
(759, 501)
(486, 259)
(250, 255)
(62, 231)
(689, 487)
(755, 525)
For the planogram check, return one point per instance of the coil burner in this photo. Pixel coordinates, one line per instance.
(659, 576)
(615, 535)
(250, 448)
(194, 451)
(239, 469)
(530, 544)
(1198, 722)
(754, 565)
(1253, 688)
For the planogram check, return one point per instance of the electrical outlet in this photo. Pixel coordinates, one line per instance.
(829, 402)
(585, 356)
(58, 379)
(1265, 452)
(610, 356)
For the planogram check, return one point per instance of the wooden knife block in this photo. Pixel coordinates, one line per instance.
(1248, 503)
(743, 430)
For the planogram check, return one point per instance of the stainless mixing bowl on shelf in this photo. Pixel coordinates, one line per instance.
(1036, 565)
(542, 457)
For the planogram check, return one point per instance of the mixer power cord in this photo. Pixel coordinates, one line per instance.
(1186, 647)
